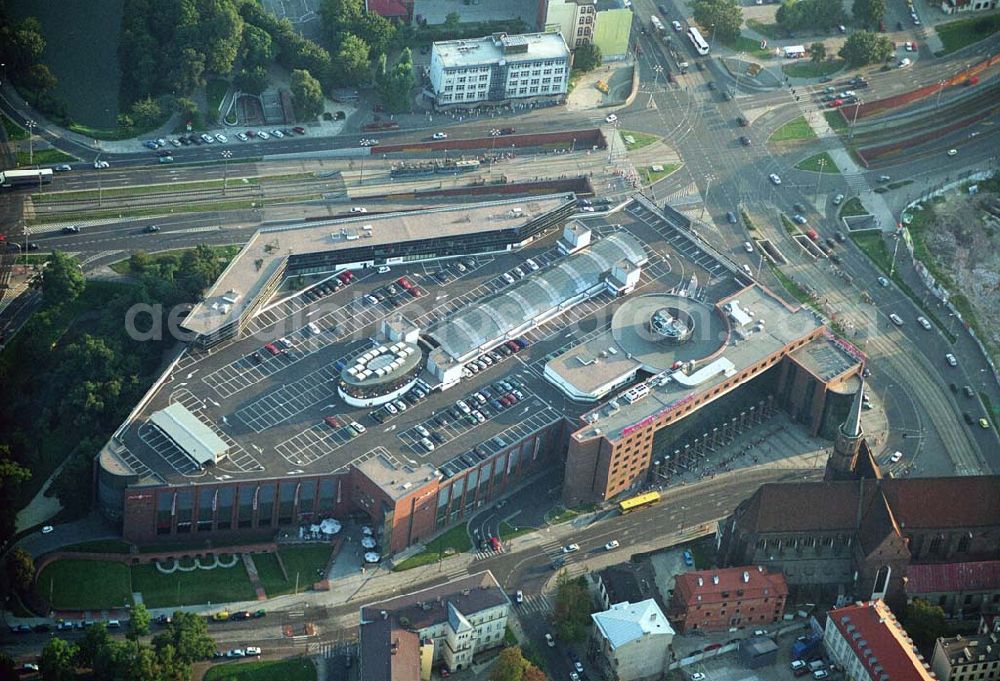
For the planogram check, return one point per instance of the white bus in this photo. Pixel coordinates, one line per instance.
(656, 25)
(25, 178)
(700, 46)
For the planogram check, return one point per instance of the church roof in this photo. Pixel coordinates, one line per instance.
(964, 501)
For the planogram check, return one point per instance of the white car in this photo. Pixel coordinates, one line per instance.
(883, 282)
(611, 545)
(610, 118)
(206, 138)
(838, 199)
(570, 548)
(578, 666)
(63, 168)
(549, 641)
(263, 135)
(903, 63)
(698, 676)
(440, 136)
(896, 319)
(774, 178)
(236, 652)
(896, 456)
(748, 247)
(100, 165)
(924, 323)
(359, 209)
(277, 133)
(175, 142)
(242, 137)
(952, 361)
(47, 529)
(952, 152)
(252, 650)
(519, 597)
(222, 139)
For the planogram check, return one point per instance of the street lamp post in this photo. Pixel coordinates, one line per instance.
(708, 187)
(822, 164)
(892, 267)
(854, 120)
(937, 105)
(30, 124)
(226, 155)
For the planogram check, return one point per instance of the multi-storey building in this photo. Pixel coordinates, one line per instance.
(970, 658)
(499, 68)
(716, 600)
(631, 641)
(962, 590)
(575, 20)
(403, 638)
(867, 642)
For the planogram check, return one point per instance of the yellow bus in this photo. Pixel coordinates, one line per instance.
(637, 502)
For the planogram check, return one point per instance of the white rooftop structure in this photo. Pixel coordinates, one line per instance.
(493, 49)
(192, 436)
(628, 622)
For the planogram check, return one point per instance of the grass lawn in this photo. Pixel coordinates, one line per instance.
(649, 176)
(770, 31)
(835, 121)
(566, 514)
(295, 669)
(642, 139)
(300, 560)
(507, 531)
(804, 68)
(100, 546)
(794, 289)
(749, 46)
(110, 134)
(220, 585)
(43, 157)
(195, 207)
(957, 34)
(454, 541)
(227, 252)
(215, 90)
(703, 552)
(853, 206)
(794, 130)
(813, 164)
(85, 584)
(14, 131)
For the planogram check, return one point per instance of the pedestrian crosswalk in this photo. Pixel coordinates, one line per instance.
(483, 554)
(539, 603)
(856, 182)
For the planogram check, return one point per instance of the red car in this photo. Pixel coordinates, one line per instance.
(332, 421)
(272, 348)
(835, 103)
(345, 277)
(513, 346)
(414, 291)
(972, 81)
(404, 282)
(299, 130)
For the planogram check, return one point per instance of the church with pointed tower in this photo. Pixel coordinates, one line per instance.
(853, 535)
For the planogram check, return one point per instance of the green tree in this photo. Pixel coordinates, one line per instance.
(817, 53)
(12, 476)
(21, 46)
(376, 30)
(258, 47)
(188, 71)
(253, 81)
(220, 32)
(139, 262)
(394, 86)
(571, 613)
(139, 621)
(868, 13)
(721, 18)
(58, 658)
(794, 15)
(864, 47)
(587, 57)
(925, 623)
(187, 635)
(452, 20)
(62, 280)
(307, 95)
(340, 16)
(146, 112)
(40, 79)
(352, 60)
(510, 665)
(92, 645)
(21, 569)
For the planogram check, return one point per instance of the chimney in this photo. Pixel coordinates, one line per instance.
(701, 582)
(746, 577)
(384, 614)
(715, 579)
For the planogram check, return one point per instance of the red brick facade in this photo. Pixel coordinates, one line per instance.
(717, 600)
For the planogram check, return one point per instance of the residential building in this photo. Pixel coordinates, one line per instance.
(954, 6)
(403, 638)
(867, 642)
(716, 600)
(632, 640)
(962, 590)
(969, 658)
(499, 68)
(618, 583)
(574, 20)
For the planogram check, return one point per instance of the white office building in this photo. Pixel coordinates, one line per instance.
(499, 68)
(632, 641)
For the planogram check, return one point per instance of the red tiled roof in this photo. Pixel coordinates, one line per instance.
(953, 577)
(389, 9)
(964, 501)
(885, 644)
(730, 581)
